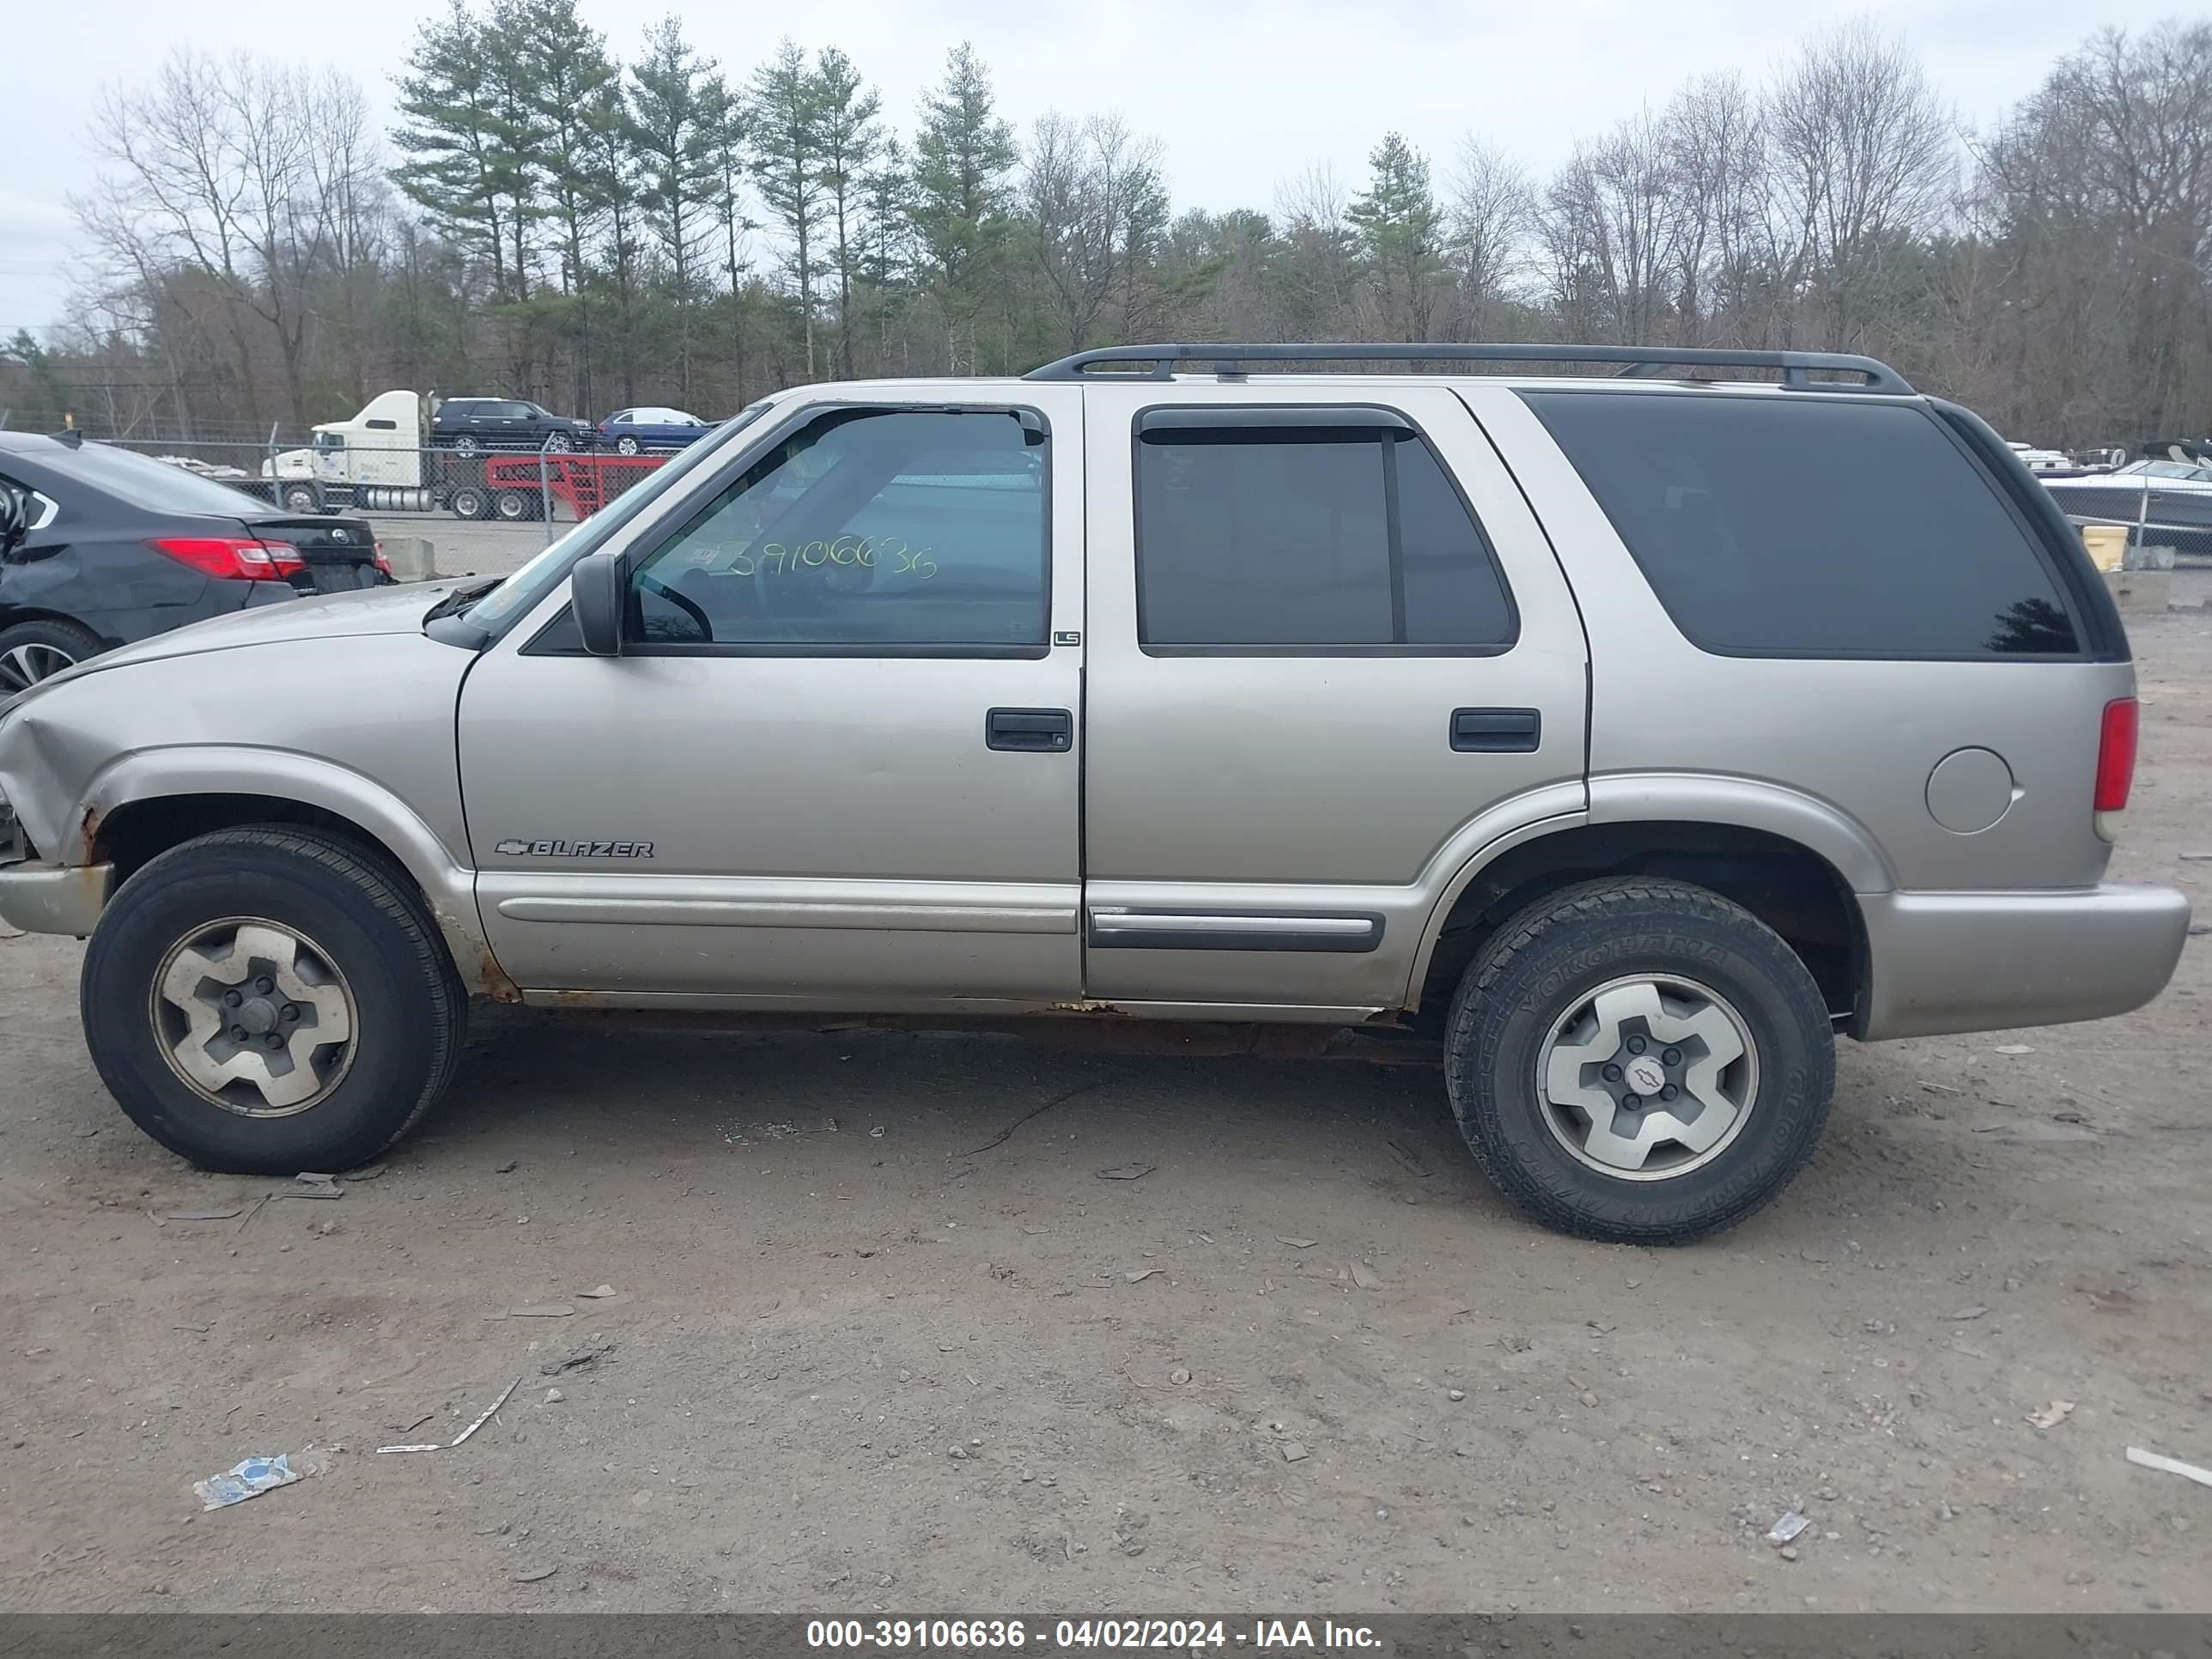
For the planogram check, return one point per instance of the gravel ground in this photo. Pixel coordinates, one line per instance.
(875, 1339)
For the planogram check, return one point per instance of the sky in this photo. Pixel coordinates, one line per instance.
(1244, 95)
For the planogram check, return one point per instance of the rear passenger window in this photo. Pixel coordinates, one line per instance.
(1305, 535)
(1773, 527)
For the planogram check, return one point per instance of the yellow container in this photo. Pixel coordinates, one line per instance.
(2107, 544)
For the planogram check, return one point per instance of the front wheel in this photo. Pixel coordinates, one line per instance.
(263, 1002)
(1639, 1060)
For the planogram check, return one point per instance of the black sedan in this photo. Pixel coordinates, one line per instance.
(100, 546)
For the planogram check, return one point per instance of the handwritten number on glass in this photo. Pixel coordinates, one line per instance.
(774, 558)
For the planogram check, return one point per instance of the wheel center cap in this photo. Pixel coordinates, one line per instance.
(1645, 1075)
(257, 1015)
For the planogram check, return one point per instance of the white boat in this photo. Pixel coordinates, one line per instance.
(2043, 460)
(2172, 500)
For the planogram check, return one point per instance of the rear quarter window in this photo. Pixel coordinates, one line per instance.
(151, 486)
(1803, 527)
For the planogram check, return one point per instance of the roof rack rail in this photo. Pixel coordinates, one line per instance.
(1797, 368)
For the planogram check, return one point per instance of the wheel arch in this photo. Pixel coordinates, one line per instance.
(143, 805)
(1793, 886)
(12, 616)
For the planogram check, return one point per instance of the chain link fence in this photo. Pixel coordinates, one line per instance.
(512, 486)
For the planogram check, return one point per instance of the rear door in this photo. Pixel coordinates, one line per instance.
(1331, 655)
(512, 424)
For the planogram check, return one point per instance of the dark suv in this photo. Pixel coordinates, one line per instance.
(100, 546)
(469, 424)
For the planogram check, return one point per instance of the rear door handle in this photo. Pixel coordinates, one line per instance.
(1496, 731)
(1034, 731)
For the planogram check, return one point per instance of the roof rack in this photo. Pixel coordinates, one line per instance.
(1797, 368)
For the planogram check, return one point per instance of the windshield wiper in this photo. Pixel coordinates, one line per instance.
(457, 603)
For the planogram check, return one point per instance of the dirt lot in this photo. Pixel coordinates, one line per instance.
(874, 1339)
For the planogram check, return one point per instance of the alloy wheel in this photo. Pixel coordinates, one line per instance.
(25, 665)
(254, 1016)
(1647, 1077)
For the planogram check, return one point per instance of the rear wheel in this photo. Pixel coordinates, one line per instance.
(626, 445)
(514, 505)
(33, 651)
(263, 1001)
(470, 502)
(1639, 1060)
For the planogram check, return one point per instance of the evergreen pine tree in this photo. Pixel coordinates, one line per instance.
(962, 154)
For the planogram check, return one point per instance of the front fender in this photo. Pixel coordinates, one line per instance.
(447, 883)
(363, 731)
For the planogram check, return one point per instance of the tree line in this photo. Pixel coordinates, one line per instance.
(545, 219)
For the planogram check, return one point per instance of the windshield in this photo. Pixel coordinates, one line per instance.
(533, 581)
(154, 486)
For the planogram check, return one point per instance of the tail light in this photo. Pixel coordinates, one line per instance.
(2115, 765)
(233, 558)
(383, 563)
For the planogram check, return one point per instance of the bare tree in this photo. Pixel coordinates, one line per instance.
(1092, 206)
(1866, 162)
(226, 179)
(345, 174)
(1066, 223)
(1315, 269)
(1610, 230)
(1492, 214)
(1716, 148)
(2095, 199)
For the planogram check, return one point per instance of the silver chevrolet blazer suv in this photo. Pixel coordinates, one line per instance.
(1627, 721)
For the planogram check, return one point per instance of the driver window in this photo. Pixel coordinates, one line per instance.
(866, 527)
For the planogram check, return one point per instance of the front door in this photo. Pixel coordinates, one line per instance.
(837, 761)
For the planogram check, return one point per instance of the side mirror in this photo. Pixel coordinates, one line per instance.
(596, 595)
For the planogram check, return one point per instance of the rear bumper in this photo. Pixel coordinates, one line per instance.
(54, 898)
(1982, 962)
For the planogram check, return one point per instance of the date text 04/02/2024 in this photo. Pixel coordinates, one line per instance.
(1258, 1636)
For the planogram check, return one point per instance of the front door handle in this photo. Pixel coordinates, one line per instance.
(1496, 731)
(1033, 731)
